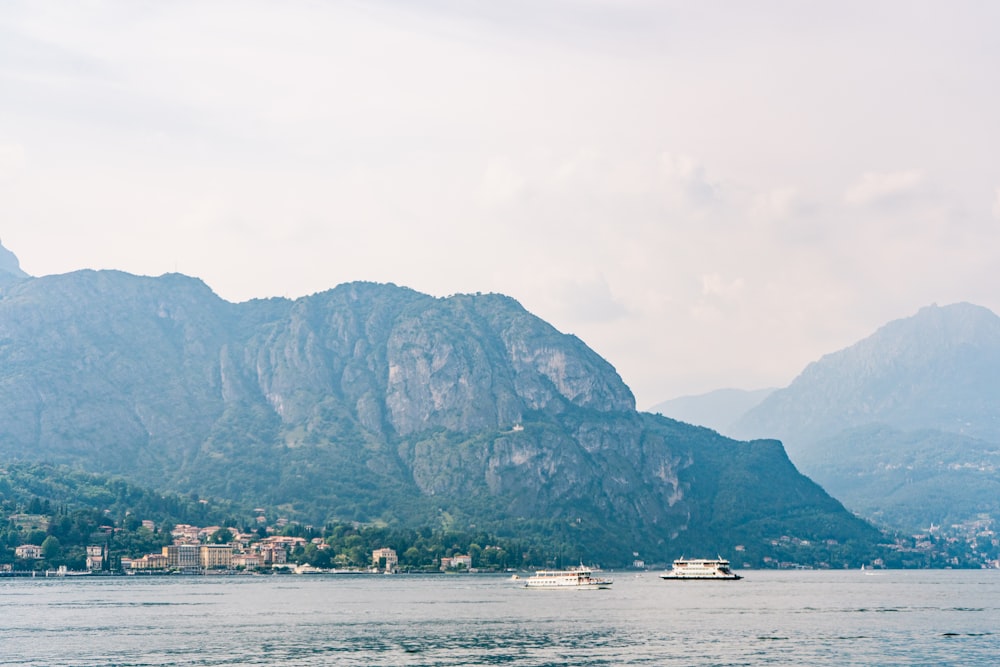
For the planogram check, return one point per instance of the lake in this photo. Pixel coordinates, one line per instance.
(769, 618)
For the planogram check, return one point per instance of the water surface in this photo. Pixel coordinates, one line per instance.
(768, 618)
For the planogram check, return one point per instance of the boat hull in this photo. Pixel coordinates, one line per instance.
(591, 584)
(579, 579)
(689, 577)
(575, 587)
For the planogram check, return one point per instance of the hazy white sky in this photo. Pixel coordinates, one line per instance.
(709, 194)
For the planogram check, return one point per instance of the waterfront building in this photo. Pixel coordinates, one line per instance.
(183, 556)
(148, 562)
(456, 562)
(95, 557)
(273, 554)
(216, 556)
(247, 561)
(385, 559)
(28, 551)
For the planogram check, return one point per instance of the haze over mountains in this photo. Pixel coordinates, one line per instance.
(373, 402)
(903, 426)
(719, 409)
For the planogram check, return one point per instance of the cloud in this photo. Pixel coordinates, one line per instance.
(590, 300)
(11, 161)
(790, 219)
(714, 285)
(996, 205)
(776, 204)
(686, 181)
(884, 187)
(503, 181)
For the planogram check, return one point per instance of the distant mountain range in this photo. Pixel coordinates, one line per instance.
(375, 403)
(939, 369)
(718, 410)
(903, 426)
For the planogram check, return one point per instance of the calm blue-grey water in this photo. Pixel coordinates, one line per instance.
(769, 618)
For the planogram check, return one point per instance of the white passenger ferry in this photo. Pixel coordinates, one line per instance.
(701, 568)
(578, 578)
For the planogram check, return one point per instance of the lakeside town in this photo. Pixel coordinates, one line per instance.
(217, 549)
(288, 547)
(142, 547)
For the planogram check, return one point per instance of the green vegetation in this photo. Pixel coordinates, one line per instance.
(350, 546)
(910, 479)
(64, 511)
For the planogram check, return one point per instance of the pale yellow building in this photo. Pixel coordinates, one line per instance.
(216, 556)
(150, 562)
(248, 561)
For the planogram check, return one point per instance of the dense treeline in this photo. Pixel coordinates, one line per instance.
(63, 511)
(346, 545)
(33, 486)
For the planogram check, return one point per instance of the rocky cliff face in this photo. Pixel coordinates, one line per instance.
(108, 368)
(374, 402)
(404, 362)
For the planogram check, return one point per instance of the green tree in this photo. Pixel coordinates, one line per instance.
(411, 557)
(51, 548)
(221, 536)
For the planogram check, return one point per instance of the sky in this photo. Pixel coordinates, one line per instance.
(709, 194)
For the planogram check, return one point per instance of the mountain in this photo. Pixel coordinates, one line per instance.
(717, 410)
(375, 403)
(911, 479)
(905, 423)
(10, 267)
(937, 369)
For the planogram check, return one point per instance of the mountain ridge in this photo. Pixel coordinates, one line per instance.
(373, 402)
(893, 374)
(903, 425)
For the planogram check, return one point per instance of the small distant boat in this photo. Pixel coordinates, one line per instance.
(63, 572)
(701, 568)
(577, 578)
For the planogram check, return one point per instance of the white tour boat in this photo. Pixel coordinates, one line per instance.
(701, 568)
(577, 578)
